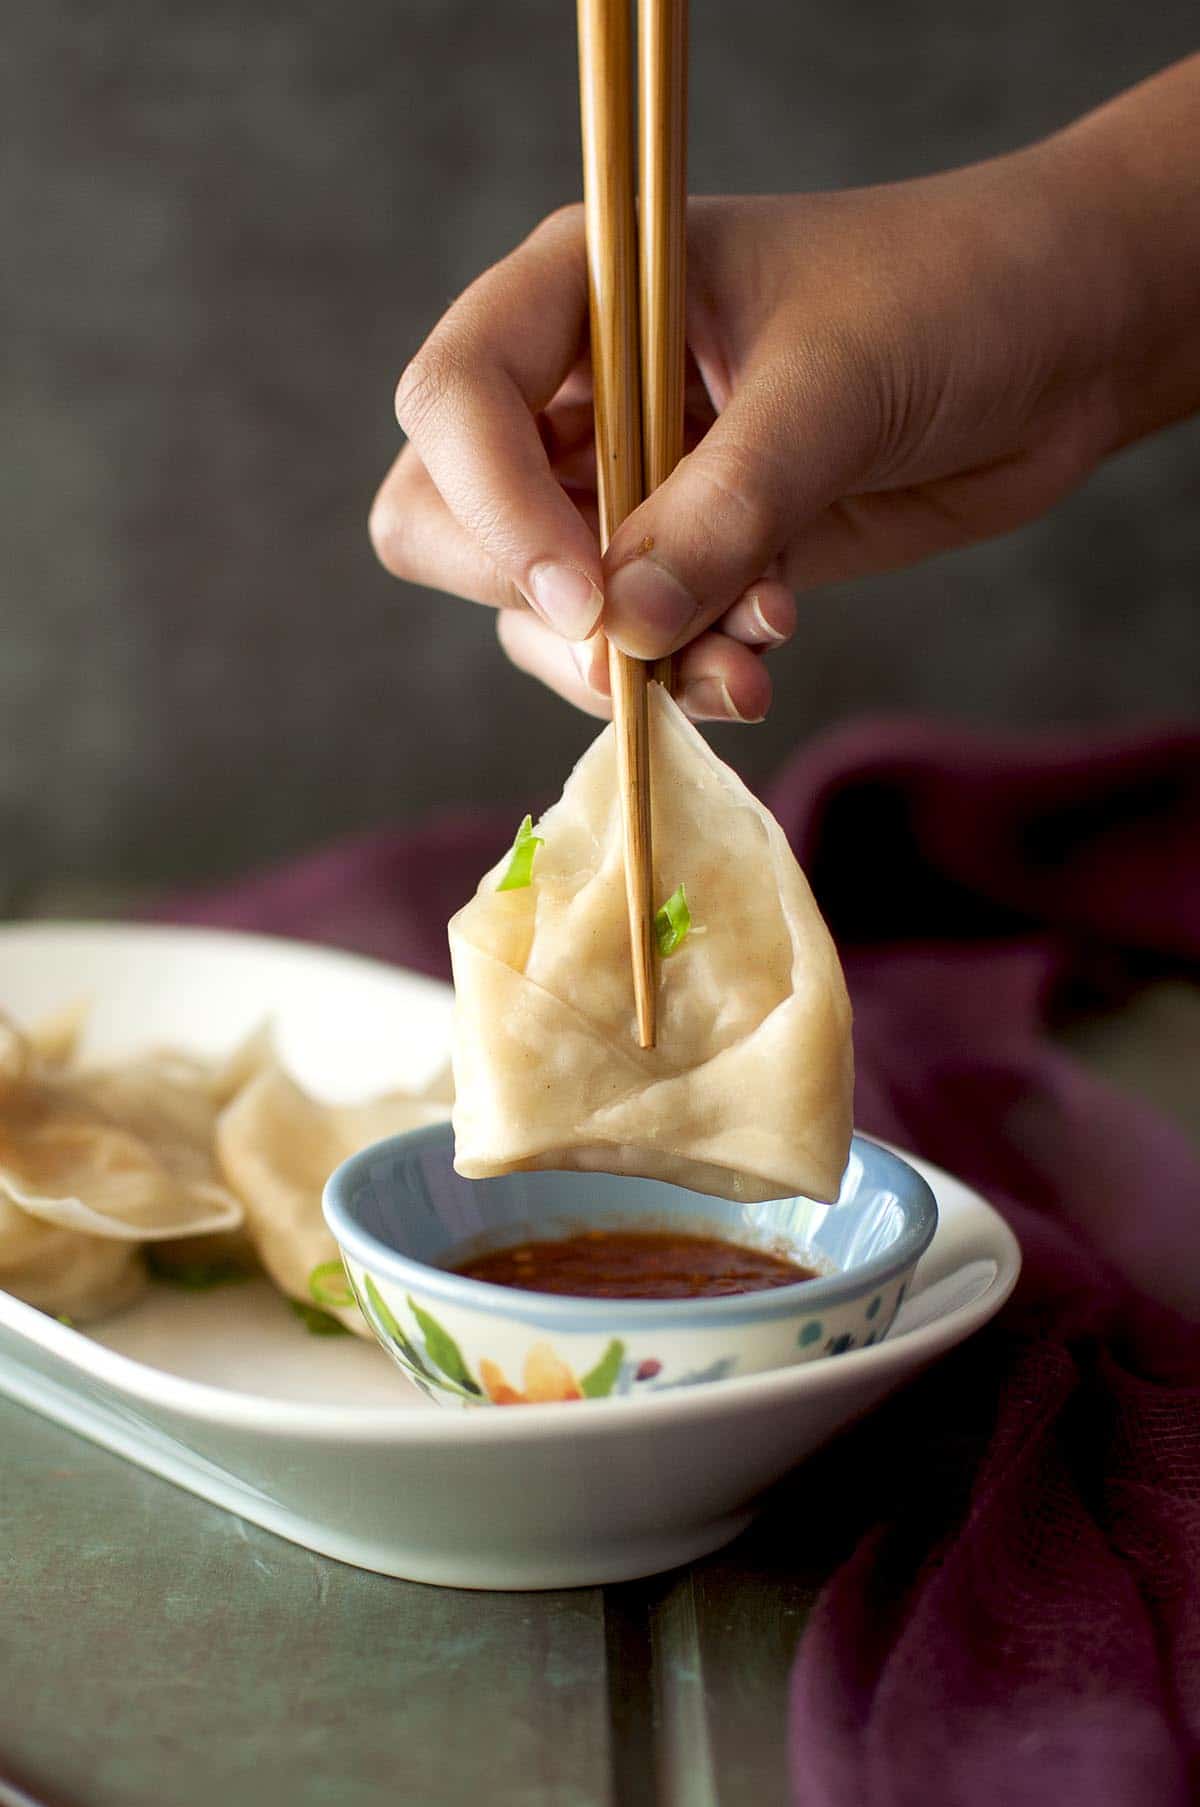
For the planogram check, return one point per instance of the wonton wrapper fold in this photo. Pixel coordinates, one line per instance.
(63, 1272)
(277, 1147)
(124, 1152)
(748, 1093)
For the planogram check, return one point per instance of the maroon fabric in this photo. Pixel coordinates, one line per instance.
(1018, 1618)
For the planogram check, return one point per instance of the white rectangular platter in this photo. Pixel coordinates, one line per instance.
(322, 1440)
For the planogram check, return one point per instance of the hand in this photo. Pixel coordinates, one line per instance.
(875, 376)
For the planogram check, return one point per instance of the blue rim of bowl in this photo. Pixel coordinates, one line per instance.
(549, 1310)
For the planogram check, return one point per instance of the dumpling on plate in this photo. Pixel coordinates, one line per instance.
(277, 1147)
(748, 1093)
(96, 1163)
(63, 1272)
(122, 1151)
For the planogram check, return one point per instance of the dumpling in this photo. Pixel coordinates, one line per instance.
(124, 1153)
(64, 1272)
(277, 1147)
(748, 1093)
(95, 1164)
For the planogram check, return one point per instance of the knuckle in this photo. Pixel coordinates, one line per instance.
(428, 384)
(735, 495)
(565, 222)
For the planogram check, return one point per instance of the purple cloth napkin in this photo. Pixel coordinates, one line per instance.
(1019, 1620)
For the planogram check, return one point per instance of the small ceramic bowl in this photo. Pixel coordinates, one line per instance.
(399, 1211)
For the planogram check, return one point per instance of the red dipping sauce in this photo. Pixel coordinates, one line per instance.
(635, 1264)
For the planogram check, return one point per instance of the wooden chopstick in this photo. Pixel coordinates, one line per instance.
(606, 114)
(662, 239)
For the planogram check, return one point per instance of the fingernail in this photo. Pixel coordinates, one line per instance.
(565, 599)
(770, 635)
(708, 700)
(647, 608)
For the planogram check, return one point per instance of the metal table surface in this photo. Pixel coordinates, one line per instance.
(155, 1649)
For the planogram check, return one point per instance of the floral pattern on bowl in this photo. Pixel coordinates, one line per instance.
(432, 1357)
(402, 1217)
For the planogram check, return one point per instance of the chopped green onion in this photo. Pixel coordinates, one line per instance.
(62, 1318)
(519, 872)
(316, 1322)
(195, 1276)
(672, 922)
(329, 1285)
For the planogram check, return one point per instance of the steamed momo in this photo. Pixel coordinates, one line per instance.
(96, 1163)
(277, 1147)
(748, 1092)
(63, 1271)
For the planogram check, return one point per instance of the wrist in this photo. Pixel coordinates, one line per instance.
(1125, 194)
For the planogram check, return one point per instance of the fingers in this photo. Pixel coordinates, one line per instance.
(763, 618)
(417, 538)
(791, 439)
(492, 499)
(469, 403)
(545, 655)
(719, 680)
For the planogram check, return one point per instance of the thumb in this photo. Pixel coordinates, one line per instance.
(790, 442)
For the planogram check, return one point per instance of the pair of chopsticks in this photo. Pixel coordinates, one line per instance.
(636, 277)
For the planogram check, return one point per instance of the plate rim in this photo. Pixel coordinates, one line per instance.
(250, 939)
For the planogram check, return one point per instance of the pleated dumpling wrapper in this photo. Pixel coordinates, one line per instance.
(94, 1164)
(63, 1272)
(277, 1147)
(124, 1153)
(748, 1093)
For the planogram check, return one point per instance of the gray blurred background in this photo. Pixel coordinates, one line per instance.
(224, 227)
